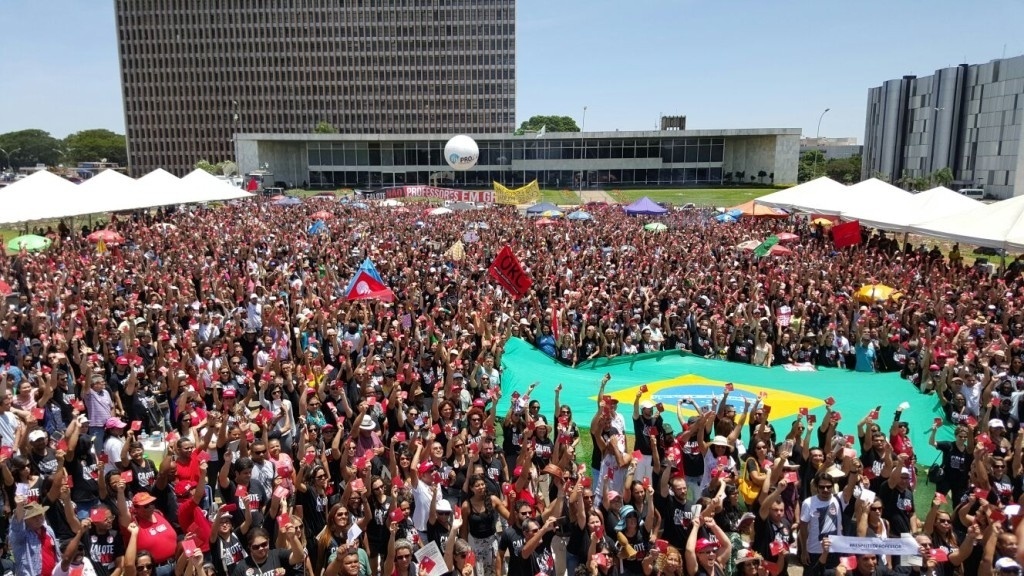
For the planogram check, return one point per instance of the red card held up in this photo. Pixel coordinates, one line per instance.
(643, 389)
(729, 387)
(777, 547)
(598, 532)
(427, 564)
(661, 545)
(241, 492)
(97, 515)
(830, 401)
(127, 476)
(470, 558)
(103, 458)
(188, 548)
(400, 437)
(397, 515)
(62, 445)
(136, 425)
(308, 458)
(790, 477)
(284, 520)
(939, 555)
(802, 411)
(850, 562)
(38, 413)
(637, 456)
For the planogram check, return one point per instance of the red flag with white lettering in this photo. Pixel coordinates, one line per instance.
(507, 271)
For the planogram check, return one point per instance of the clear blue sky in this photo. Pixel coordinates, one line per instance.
(724, 64)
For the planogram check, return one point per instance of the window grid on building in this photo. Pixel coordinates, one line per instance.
(196, 73)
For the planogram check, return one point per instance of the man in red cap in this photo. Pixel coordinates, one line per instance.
(422, 477)
(156, 535)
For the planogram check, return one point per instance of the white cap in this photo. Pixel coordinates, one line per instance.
(1006, 564)
(36, 435)
(996, 423)
(905, 472)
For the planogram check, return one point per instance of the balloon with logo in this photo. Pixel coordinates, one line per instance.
(461, 152)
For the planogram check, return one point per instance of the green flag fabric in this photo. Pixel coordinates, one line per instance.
(762, 250)
(671, 376)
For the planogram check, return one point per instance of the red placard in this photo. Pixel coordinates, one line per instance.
(508, 272)
(127, 476)
(846, 234)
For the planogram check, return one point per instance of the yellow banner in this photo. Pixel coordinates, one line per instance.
(525, 195)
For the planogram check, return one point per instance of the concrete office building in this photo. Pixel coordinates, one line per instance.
(967, 118)
(832, 147)
(557, 160)
(194, 74)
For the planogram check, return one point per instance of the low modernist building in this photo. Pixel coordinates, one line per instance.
(556, 160)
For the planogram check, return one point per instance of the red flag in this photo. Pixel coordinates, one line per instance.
(554, 322)
(252, 186)
(366, 287)
(846, 234)
(508, 272)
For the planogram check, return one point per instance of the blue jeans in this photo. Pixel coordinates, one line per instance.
(99, 434)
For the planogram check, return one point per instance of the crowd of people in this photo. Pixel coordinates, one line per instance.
(205, 399)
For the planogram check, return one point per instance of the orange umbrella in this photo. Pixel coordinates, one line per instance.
(787, 237)
(321, 214)
(545, 222)
(779, 250)
(758, 211)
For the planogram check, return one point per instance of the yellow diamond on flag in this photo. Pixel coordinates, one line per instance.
(701, 389)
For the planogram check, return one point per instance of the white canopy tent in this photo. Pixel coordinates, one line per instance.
(874, 203)
(996, 225)
(940, 202)
(802, 194)
(108, 191)
(35, 197)
(201, 186)
(160, 187)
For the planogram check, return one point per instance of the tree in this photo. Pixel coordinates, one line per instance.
(325, 127)
(845, 170)
(205, 165)
(760, 176)
(227, 168)
(30, 147)
(943, 177)
(550, 124)
(95, 145)
(811, 165)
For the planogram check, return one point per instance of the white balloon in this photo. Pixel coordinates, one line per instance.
(461, 152)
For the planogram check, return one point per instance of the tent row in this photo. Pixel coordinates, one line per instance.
(939, 212)
(46, 196)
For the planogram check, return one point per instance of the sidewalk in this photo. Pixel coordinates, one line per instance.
(596, 196)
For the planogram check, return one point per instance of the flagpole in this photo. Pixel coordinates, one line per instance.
(583, 150)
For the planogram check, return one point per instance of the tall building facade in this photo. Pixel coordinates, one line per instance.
(195, 74)
(967, 118)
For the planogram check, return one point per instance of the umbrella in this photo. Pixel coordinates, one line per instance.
(579, 215)
(552, 213)
(29, 242)
(321, 215)
(877, 293)
(359, 205)
(317, 227)
(107, 236)
(726, 218)
(779, 250)
(470, 237)
(748, 245)
(439, 211)
(288, 201)
(391, 203)
(545, 221)
(787, 237)
(655, 227)
(822, 222)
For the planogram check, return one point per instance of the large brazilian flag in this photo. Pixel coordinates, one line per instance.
(671, 376)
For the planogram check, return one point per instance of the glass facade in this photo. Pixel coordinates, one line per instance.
(555, 163)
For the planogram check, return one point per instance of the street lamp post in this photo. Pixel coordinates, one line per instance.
(583, 150)
(816, 135)
(7, 156)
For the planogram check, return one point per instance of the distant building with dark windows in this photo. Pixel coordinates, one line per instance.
(557, 160)
(195, 73)
(967, 118)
